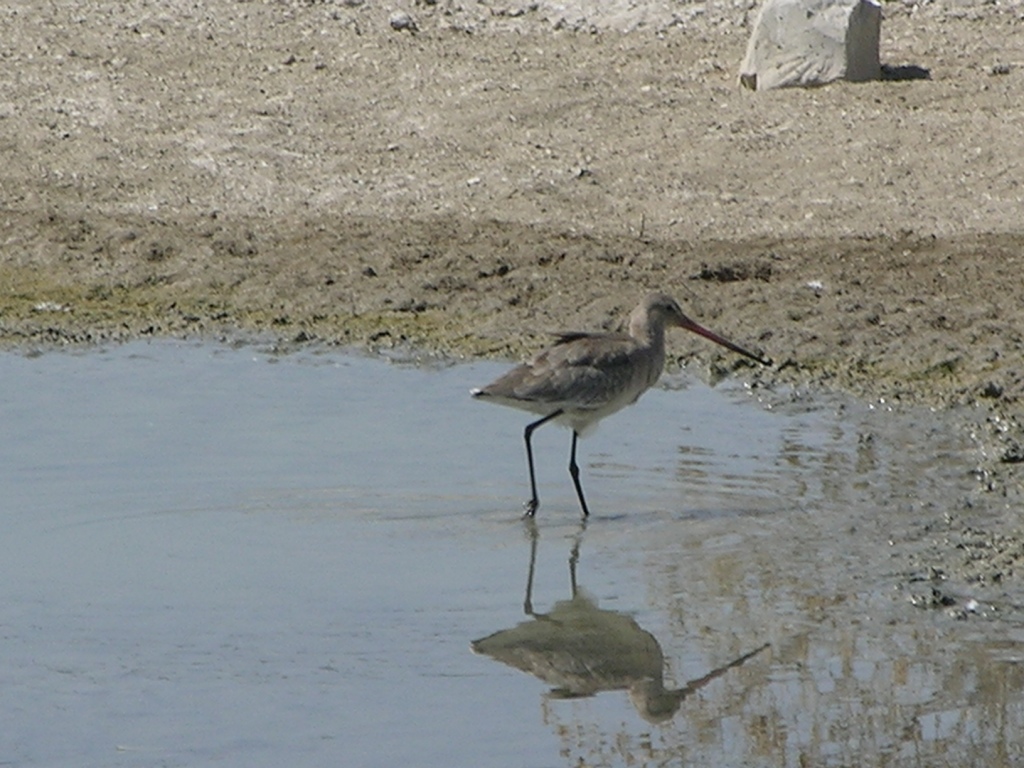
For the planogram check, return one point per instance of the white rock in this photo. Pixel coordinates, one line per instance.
(812, 42)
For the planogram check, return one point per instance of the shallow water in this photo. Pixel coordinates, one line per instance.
(220, 556)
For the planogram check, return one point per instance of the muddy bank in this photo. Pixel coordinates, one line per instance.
(905, 319)
(904, 337)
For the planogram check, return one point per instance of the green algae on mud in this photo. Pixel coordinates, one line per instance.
(39, 311)
(911, 319)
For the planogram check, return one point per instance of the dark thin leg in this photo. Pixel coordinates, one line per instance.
(534, 502)
(574, 470)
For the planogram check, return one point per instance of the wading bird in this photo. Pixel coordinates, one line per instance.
(587, 376)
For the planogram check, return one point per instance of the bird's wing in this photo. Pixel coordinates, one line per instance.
(564, 337)
(581, 371)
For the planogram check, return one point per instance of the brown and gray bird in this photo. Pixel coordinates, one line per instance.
(587, 376)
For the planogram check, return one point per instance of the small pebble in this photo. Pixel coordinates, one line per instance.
(400, 20)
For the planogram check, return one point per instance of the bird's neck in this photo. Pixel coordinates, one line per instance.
(651, 339)
(648, 334)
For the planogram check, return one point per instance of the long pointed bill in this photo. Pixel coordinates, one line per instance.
(700, 330)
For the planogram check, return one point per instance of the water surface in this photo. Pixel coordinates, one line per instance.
(217, 555)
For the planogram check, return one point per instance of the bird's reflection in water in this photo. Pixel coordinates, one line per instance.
(582, 649)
